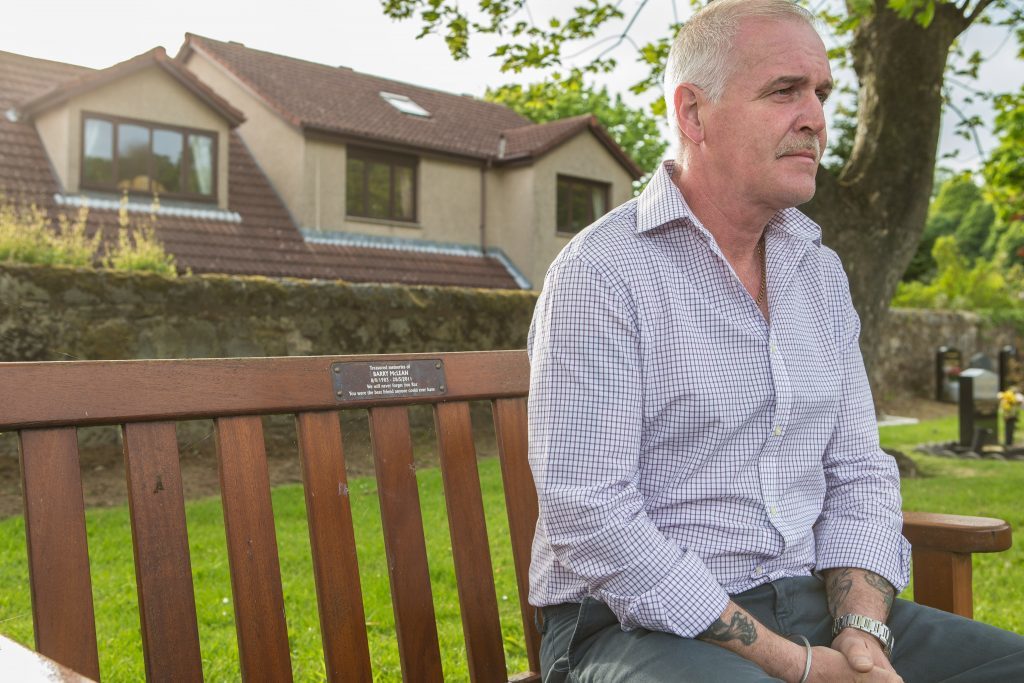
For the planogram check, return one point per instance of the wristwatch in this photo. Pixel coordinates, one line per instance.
(868, 625)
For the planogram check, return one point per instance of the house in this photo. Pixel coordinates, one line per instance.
(270, 165)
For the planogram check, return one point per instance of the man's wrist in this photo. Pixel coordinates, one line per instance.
(875, 630)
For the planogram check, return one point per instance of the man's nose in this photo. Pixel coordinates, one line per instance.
(812, 115)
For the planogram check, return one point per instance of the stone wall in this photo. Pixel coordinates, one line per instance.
(906, 362)
(64, 314)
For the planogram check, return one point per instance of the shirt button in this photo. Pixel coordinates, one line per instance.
(771, 347)
(777, 431)
(758, 570)
(773, 511)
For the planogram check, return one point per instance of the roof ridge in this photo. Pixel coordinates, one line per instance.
(48, 61)
(155, 56)
(579, 118)
(328, 67)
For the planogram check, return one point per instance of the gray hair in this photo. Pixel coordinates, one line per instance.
(700, 50)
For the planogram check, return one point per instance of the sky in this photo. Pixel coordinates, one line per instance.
(356, 34)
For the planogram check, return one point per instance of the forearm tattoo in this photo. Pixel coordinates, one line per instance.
(838, 586)
(740, 628)
(883, 587)
(840, 583)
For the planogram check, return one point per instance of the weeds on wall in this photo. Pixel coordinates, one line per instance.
(27, 235)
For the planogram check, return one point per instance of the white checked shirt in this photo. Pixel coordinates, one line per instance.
(682, 448)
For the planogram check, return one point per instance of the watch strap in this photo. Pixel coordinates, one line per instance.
(871, 626)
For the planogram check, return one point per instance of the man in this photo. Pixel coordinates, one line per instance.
(702, 434)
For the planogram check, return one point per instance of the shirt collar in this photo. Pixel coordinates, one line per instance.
(661, 203)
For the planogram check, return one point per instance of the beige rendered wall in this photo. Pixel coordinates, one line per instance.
(150, 95)
(532, 241)
(54, 128)
(447, 198)
(511, 222)
(277, 146)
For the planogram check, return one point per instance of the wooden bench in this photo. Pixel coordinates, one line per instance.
(47, 402)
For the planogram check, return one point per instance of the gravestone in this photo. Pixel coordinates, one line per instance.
(1011, 374)
(979, 408)
(982, 361)
(948, 363)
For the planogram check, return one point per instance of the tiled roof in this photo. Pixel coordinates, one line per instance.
(345, 102)
(534, 140)
(23, 78)
(265, 241)
(340, 100)
(64, 91)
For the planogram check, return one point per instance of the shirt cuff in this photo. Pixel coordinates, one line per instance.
(685, 602)
(853, 543)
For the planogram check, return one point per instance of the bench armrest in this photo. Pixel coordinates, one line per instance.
(942, 547)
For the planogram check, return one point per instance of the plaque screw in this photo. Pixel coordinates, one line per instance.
(341, 393)
(441, 388)
(337, 369)
(437, 365)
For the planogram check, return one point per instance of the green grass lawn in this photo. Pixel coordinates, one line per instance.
(955, 486)
(988, 488)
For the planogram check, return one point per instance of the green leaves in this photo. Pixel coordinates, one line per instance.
(921, 11)
(1004, 170)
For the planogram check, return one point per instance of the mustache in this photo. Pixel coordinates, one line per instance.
(808, 144)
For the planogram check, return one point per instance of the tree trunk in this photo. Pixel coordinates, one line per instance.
(873, 213)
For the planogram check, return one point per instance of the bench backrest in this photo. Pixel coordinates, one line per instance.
(47, 402)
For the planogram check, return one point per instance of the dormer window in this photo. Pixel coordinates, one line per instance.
(122, 154)
(404, 104)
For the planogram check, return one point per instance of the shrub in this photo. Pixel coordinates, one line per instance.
(137, 248)
(27, 235)
(985, 285)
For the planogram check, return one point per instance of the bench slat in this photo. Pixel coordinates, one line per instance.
(84, 393)
(58, 552)
(406, 549)
(163, 570)
(335, 567)
(475, 577)
(521, 503)
(252, 550)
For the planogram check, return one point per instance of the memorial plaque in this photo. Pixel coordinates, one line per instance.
(374, 380)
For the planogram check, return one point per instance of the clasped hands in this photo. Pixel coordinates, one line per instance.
(853, 656)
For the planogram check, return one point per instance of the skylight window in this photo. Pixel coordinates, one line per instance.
(404, 104)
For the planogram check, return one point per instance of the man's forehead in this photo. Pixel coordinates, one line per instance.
(768, 49)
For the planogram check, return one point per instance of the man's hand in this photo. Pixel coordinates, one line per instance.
(832, 666)
(862, 650)
(859, 591)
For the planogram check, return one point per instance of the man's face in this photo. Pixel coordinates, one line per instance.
(766, 135)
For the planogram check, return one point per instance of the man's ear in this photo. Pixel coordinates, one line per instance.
(689, 101)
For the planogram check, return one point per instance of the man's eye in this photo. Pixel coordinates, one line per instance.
(784, 91)
(822, 96)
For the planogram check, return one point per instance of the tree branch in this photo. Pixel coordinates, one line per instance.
(625, 32)
(970, 126)
(976, 12)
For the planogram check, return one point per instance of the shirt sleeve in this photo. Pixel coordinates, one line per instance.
(585, 417)
(861, 521)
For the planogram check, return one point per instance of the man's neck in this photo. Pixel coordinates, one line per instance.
(735, 224)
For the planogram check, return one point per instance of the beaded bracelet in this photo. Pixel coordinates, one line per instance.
(810, 657)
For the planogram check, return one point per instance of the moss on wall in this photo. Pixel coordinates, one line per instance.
(49, 313)
(54, 313)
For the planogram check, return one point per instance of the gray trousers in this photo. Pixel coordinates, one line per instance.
(583, 642)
